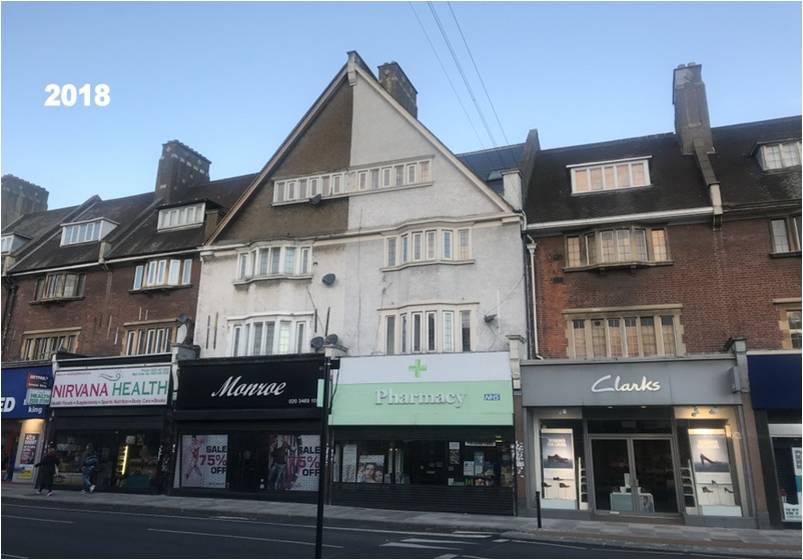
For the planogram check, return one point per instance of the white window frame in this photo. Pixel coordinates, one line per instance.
(189, 216)
(784, 161)
(588, 168)
(85, 232)
(656, 316)
(447, 333)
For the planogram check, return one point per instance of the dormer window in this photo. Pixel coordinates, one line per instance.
(11, 243)
(779, 155)
(85, 232)
(181, 216)
(609, 175)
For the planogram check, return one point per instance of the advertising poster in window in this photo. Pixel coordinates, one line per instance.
(712, 473)
(203, 461)
(293, 462)
(371, 469)
(557, 460)
(350, 463)
(709, 451)
(791, 512)
(27, 457)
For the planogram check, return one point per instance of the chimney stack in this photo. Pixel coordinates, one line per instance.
(692, 124)
(180, 167)
(20, 197)
(398, 85)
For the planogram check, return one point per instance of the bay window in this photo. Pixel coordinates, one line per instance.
(59, 285)
(785, 235)
(624, 334)
(265, 262)
(621, 246)
(427, 246)
(270, 334)
(424, 329)
(163, 273)
(150, 338)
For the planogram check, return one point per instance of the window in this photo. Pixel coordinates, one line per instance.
(424, 246)
(609, 176)
(183, 216)
(300, 337)
(780, 155)
(387, 176)
(619, 336)
(271, 261)
(40, 346)
(148, 339)
(430, 330)
(794, 321)
(405, 243)
(463, 244)
(611, 247)
(284, 337)
(7, 242)
(162, 273)
(391, 247)
(447, 244)
(12, 242)
(411, 169)
(417, 249)
(431, 238)
(59, 285)
(235, 344)
(85, 232)
(363, 180)
(785, 235)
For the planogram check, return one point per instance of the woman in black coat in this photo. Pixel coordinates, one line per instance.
(47, 470)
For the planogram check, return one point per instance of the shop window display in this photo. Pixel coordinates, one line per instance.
(126, 460)
(787, 452)
(426, 462)
(564, 483)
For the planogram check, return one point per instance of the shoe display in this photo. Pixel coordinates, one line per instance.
(561, 485)
(545, 485)
(707, 490)
(728, 490)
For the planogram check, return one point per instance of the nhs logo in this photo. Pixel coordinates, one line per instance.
(493, 397)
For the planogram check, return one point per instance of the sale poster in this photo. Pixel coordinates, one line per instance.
(203, 461)
(294, 462)
(28, 453)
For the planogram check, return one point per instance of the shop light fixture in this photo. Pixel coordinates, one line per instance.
(713, 410)
(695, 412)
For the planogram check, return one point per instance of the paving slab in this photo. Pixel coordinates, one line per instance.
(679, 538)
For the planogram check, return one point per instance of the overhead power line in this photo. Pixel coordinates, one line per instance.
(462, 74)
(476, 69)
(445, 73)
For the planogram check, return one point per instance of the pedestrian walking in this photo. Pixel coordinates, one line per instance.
(88, 468)
(48, 467)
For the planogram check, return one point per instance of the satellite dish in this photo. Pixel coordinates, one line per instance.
(317, 343)
(315, 200)
(332, 339)
(328, 279)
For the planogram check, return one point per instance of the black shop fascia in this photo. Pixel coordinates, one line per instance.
(249, 427)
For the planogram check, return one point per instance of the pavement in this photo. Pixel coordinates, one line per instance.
(570, 534)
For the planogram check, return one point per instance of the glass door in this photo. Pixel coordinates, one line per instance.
(655, 476)
(612, 481)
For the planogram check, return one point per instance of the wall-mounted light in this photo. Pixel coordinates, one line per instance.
(695, 411)
(713, 410)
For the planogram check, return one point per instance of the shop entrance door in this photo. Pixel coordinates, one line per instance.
(634, 474)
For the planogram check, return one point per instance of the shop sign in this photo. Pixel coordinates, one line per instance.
(26, 392)
(249, 385)
(608, 383)
(436, 389)
(121, 386)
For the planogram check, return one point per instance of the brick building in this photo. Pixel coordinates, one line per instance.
(656, 264)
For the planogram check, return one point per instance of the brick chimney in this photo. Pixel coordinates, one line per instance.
(180, 167)
(20, 197)
(398, 85)
(692, 124)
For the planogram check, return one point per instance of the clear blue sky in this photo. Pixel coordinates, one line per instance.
(232, 79)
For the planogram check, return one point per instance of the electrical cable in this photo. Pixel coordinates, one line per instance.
(445, 73)
(477, 70)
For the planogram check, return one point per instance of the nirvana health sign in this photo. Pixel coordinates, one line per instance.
(121, 386)
(424, 390)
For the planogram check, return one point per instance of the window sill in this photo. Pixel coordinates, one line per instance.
(609, 191)
(163, 288)
(618, 265)
(246, 281)
(55, 300)
(785, 255)
(354, 193)
(425, 263)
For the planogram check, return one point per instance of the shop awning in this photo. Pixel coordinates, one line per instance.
(775, 380)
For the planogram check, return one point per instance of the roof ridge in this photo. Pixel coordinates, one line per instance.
(486, 150)
(754, 123)
(615, 141)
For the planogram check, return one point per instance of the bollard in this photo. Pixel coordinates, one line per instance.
(538, 507)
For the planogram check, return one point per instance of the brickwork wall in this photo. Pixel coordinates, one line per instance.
(106, 306)
(725, 280)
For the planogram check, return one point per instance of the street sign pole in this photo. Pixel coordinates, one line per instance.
(324, 457)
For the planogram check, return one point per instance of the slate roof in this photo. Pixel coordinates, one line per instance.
(34, 224)
(136, 233)
(742, 181)
(486, 164)
(676, 181)
(144, 239)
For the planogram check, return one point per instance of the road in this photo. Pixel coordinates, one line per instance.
(34, 531)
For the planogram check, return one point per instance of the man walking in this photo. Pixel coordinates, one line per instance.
(48, 467)
(88, 468)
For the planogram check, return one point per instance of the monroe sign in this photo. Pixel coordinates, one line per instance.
(124, 386)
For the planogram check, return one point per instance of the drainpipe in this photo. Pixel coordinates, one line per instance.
(8, 310)
(531, 247)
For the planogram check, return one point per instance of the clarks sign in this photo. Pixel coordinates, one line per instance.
(249, 383)
(610, 383)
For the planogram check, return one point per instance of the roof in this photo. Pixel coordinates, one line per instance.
(487, 164)
(37, 223)
(144, 238)
(676, 180)
(742, 181)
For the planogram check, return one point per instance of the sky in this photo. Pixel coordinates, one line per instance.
(232, 79)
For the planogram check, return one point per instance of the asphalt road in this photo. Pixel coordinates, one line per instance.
(44, 531)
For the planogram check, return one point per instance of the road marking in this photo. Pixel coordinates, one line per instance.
(547, 543)
(411, 545)
(446, 556)
(7, 555)
(437, 541)
(253, 521)
(472, 534)
(239, 537)
(500, 540)
(39, 519)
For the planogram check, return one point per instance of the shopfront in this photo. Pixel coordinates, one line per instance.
(431, 432)
(119, 405)
(775, 386)
(24, 404)
(249, 427)
(637, 439)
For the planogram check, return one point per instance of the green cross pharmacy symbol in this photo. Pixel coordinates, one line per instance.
(417, 368)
